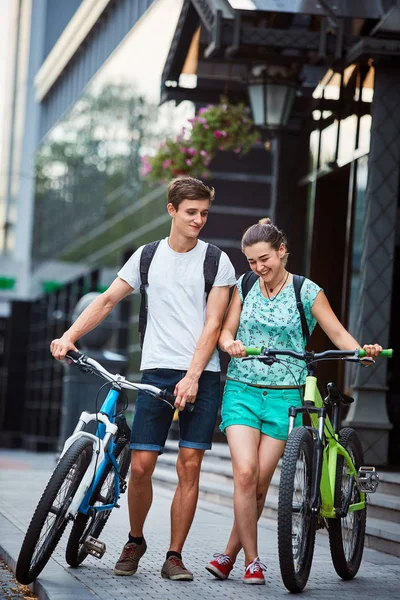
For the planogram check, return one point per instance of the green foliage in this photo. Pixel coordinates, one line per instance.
(220, 127)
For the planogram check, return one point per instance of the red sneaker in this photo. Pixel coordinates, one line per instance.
(221, 566)
(254, 572)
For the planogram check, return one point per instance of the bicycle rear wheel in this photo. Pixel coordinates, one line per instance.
(86, 525)
(50, 517)
(347, 534)
(296, 524)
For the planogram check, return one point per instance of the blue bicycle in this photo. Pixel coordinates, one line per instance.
(87, 481)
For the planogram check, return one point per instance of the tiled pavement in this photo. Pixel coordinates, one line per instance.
(23, 477)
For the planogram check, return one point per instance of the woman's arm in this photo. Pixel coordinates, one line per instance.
(227, 341)
(322, 311)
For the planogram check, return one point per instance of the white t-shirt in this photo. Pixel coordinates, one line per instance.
(176, 303)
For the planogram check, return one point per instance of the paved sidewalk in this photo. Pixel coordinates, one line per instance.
(23, 477)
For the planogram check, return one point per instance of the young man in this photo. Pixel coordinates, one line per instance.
(179, 353)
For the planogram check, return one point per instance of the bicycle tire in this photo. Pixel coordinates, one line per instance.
(296, 549)
(84, 525)
(347, 560)
(36, 548)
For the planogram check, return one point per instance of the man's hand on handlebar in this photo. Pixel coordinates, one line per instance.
(186, 391)
(60, 347)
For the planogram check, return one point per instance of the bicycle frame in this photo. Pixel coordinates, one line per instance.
(103, 447)
(326, 451)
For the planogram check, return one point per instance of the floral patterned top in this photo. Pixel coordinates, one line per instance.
(275, 324)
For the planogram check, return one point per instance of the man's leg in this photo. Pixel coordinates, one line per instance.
(150, 426)
(140, 489)
(140, 496)
(182, 512)
(184, 503)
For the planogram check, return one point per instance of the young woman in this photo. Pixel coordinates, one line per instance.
(256, 396)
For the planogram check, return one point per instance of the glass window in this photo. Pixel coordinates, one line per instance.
(328, 144)
(348, 129)
(359, 213)
(90, 190)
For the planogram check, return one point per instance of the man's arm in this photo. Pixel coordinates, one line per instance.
(186, 389)
(92, 316)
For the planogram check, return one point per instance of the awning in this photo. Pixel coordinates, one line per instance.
(219, 42)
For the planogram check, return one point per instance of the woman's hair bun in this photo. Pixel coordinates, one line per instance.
(265, 221)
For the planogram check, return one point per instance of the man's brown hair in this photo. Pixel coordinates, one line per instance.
(188, 188)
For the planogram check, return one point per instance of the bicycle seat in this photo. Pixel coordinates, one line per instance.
(336, 395)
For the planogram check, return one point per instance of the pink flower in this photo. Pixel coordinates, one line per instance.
(221, 147)
(166, 164)
(188, 162)
(192, 151)
(203, 153)
(218, 133)
(202, 111)
(204, 175)
(206, 126)
(146, 169)
(237, 150)
(183, 149)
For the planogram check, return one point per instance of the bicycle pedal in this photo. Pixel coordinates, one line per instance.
(94, 547)
(367, 479)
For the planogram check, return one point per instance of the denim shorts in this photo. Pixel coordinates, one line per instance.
(266, 409)
(153, 417)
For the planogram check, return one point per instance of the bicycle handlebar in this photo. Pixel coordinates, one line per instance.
(87, 364)
(263, 351)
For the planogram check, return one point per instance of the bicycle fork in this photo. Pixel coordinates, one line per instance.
(318, 448)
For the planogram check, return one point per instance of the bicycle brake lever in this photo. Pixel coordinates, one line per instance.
(355, 359)
(267, 360)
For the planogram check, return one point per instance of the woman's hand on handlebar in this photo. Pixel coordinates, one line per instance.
(60, 347)
(234, 348)
(372, 350)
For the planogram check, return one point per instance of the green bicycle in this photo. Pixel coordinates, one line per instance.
(323, 480)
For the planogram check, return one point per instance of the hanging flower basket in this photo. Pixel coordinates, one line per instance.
(220, 127)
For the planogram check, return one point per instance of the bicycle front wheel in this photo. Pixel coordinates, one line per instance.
(50, 518)
(347, 534)
(86, 525)
(296, 524)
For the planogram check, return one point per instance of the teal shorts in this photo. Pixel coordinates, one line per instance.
(265, 409)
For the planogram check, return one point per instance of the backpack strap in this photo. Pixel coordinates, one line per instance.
(146, 257)
(248, 281)
(210, 267)
(298, 281)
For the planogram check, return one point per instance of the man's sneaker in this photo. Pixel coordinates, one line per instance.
(128, 562)
(254, 572)
(221, 566)
(174, 569)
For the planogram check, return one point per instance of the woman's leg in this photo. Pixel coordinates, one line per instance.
(243, 444)
(269, 452)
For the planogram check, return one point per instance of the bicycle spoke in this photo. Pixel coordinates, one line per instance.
(298, 510)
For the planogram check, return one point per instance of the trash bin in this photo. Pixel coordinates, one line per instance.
(80, 390)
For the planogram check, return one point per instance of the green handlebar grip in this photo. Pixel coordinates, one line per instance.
(385, 353)
(254, 351)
